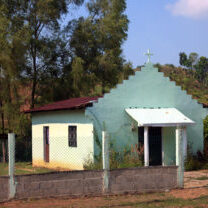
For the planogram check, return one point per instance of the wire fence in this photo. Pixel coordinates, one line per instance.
(3, 157)
(39, 155)
(124, 155)
(23, 155)
(61, 154)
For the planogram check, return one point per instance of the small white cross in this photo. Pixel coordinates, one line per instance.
(148, 54)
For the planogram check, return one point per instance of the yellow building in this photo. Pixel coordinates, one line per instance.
(62, 136)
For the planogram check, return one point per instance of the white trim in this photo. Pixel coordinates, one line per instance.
(166, 125)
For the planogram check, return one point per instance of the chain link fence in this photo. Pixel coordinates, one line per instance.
(60, 154)
(3, 157)
(23, 155)
(124, 155)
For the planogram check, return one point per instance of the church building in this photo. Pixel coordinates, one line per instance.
(147, 109)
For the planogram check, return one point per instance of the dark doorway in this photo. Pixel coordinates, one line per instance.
(46, 143)
(155, 144)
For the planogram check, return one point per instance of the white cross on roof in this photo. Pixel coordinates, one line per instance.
(148, 54)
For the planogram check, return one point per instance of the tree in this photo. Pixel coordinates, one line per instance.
(42, 20)
(32, 48)
(199, 64)
(13, 38)
(80, 80)
(193, 59)
(97, 41)
(12, 50)
(202, 69)
(184, 61)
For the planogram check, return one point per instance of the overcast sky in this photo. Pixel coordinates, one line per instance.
(167, 27)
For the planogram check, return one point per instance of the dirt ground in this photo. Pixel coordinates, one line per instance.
(195, 179)
(194, 195)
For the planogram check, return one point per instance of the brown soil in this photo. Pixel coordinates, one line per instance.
(189, 193)
(90, 202)
(193, 179)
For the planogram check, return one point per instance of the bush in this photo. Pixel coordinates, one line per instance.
(127, 158)
(194, 161)
(90, 164)
(193, 164)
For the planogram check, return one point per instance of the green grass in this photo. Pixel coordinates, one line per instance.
(202, 178)
(22, 168)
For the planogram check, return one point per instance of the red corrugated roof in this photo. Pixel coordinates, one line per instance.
(72, 103)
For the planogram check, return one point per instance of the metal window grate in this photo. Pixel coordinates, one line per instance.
(72, 136)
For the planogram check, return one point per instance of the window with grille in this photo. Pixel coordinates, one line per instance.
(72, 133)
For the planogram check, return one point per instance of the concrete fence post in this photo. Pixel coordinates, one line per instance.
(11, 153)
(105, 157)
(180, 156)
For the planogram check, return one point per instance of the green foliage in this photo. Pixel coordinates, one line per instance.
(91, 164)
(13, 39)
(184, 60)
(199, 65)
(127, 157)
(193, 58)
(33, 53)
(23, 149)
(202, 70)
(186, 78)
(97, 41)
(84, 59)
(196, 161)
(192, 163)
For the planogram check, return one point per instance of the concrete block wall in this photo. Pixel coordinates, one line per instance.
(146, 179)
(76, 183)
(82, 183)
(4, 188)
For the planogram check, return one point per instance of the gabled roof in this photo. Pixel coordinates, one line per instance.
(73, 103)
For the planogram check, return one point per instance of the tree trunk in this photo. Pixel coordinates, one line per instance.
(34, 83)
(3, 143)
(33, 92)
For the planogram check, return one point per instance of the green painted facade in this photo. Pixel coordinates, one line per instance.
(148, 88)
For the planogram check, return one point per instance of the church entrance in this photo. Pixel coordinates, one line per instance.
(155, 144)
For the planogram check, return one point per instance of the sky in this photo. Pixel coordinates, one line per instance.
(166, 27)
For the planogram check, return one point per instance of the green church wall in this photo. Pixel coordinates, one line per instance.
(148, 88)
(169, 144)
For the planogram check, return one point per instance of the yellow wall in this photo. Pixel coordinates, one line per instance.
(61, 155)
